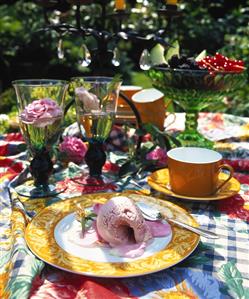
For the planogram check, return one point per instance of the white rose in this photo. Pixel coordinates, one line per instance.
(90, 101)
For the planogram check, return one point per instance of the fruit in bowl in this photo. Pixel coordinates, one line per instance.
(203, 76)
(203, 62)
(195, 84)
(220, 63)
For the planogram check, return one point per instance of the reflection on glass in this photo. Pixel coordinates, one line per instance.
(86, 57)
(60, 49)
(116, 57)
(145, 61)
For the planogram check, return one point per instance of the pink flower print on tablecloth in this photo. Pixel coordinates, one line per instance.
(159, 155)
(74, 149)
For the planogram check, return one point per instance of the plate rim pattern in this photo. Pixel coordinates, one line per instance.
(39, 236)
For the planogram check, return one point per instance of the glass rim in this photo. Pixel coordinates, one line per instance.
(199, 72)
(39, 82)
(182, 154)
(94, 79)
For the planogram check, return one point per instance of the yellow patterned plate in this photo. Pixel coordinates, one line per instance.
(44, 238)
(159, 180)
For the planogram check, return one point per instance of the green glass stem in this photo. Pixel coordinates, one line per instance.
(190, 136)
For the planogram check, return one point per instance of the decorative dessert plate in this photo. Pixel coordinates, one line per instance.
(159, 180)
(50, 236)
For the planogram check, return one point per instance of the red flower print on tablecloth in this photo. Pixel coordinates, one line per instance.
(13, 137)
(70, 186)
(238, 205)
(238, 165)
(111, 167)
(59, 284)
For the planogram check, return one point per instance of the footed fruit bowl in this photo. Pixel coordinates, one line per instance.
(194, 90)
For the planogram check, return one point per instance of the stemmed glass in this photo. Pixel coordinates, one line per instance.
(96, 106)
(41, 110)
(193, 91)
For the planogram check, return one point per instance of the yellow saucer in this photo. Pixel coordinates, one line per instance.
(159, 180)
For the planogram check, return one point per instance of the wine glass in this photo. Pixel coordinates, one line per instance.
(40, 109)
(193, 91)
(96, 106)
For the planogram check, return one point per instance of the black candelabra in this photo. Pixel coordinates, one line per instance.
(108, 28)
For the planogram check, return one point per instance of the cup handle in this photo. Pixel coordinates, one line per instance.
(231, 171)
(173, 120)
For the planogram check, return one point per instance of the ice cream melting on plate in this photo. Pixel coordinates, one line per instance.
(121, 226)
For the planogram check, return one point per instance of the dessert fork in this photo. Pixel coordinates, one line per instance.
(152, 214)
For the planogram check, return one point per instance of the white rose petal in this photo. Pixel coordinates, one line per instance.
(90, 101)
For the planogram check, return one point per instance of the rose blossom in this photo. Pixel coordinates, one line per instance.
(41, 112)
(158, 154)
(74, 148)
(89, 100)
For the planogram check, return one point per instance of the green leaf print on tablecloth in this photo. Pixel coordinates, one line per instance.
(198, 257)
(20, 283)
(20, 286)
(234, 281)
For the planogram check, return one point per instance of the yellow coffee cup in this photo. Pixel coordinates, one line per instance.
(194, 171)
(151, 107)
(129, 91)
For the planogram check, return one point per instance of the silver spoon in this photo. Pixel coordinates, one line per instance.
(152, 214)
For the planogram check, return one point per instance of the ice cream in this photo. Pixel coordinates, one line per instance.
(120, 222)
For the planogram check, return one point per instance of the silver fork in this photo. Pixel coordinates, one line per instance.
(152, 214)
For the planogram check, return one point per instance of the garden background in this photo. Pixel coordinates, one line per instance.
(26, 52)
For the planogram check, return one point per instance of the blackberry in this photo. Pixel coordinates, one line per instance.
(174, 61)
(183, 60)
(193, 64)
(184, 66)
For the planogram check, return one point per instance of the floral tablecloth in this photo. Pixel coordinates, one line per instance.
(216, 269)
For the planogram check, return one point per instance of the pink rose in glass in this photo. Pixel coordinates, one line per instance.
(41, 113)
(74, 149)
(90, 101)
(159, 155)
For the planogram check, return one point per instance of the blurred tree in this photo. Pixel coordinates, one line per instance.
(27, 52)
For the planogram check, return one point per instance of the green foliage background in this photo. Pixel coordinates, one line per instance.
(26, 52)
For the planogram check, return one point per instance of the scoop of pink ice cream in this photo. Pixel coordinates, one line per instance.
(120, 222)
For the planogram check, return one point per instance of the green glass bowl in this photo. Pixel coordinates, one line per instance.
(194, 89)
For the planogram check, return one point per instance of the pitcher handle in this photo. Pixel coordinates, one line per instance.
(231, 172)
